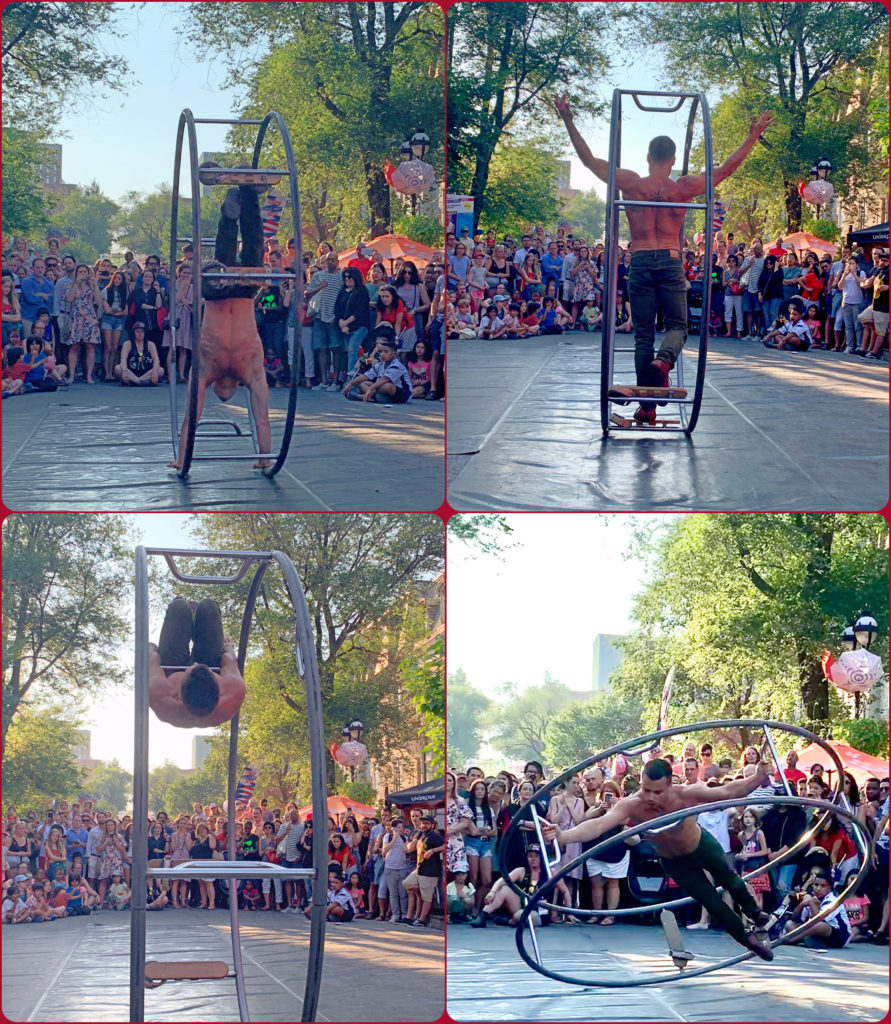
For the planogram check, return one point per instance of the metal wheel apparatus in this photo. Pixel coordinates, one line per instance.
(227, 428)
(688, 407)
(554, 872)
(151, 974)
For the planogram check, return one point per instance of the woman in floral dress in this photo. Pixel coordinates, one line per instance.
(458, 819)
(85, 299)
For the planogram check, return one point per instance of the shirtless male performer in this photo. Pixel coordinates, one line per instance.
(686, 850)
(656, 279)
(229, 347)
(211, 689)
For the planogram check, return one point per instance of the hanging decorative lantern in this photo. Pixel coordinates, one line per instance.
(853, 671)
(352, 753)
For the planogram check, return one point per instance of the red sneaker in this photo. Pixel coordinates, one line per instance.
(659, 373)
(645, 414)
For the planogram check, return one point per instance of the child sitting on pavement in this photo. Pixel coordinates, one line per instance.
(590, 316)
(793, 334)
(813, 325)
(118, 893)
(459, 895)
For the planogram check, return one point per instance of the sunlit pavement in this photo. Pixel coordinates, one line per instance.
(777, 431)
(103, 447)
(487, 980)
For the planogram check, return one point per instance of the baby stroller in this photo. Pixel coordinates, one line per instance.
(694, 305)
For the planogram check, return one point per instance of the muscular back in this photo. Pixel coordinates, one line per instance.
(658, 228)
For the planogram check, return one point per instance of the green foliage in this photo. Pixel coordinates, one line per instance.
(63, 618)
(361, 792)
(143, 223)
(521, 189)
(160, 779)
(804, 62)
(468, 709)
(52, 59)
(38, 759)
(506, 63)
(744, 605)
(519, 720)
(206, 784)
(86, 217)
(867, 734)
(423, 676)
(25, 208)
(579, 730)
(822, 228)
(482, 532)
(110, 786)
(586, 212)
(354, 78)
(424, 229)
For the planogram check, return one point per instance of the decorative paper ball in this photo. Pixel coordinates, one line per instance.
(351, 753)
(818, 192)
(856, 671)
(412, 177)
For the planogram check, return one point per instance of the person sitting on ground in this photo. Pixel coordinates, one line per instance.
(686, 851)
(14, 372)
(459, 895)
(229, 348)
(276, 374)
(793, 334)
(139, 365)
(204, 686)
(501, 896)
(834, 931)
(590, 316)
(814, 326)
(387, 381)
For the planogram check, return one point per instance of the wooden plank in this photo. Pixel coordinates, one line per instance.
(185, 970)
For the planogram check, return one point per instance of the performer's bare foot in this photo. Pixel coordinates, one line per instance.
(175, 464)
(263, 464)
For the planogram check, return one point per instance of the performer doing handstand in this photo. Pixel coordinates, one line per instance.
(229, 348)
(656, 279)
(210, 689)
(687, 851)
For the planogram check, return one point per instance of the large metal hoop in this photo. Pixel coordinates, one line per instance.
(187, 121)
(649, 741)
(864, 840)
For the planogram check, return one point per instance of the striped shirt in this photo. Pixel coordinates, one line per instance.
(292, 834)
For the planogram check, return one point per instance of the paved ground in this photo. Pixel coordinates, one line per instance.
(777, 431)
(105, 448)
(488, 981)
(78, 970)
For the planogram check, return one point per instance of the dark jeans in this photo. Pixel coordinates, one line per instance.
(274, 338)
(656, 282)
(226, 248)
(181, 627)
(689, 872)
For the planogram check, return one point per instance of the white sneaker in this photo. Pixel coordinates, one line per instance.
(334, 387)
(698, 924)
(320, 387)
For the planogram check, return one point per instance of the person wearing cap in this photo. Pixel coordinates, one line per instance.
(421, 884)
(459, 895)
(793, 334)
(139, 365)
(194, 684)
(229, 349)
(386, 381)
(501, 896)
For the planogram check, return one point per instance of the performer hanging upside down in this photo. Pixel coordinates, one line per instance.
(211, 689)
(229, 348)
(656, 279)
(687, 852)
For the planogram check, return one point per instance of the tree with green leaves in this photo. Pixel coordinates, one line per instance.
(468, 710)
(579, 730)
(205, 785)
(110, 786)
(586, 212)
(160, 779)
(25, 207)
(86, 217)
(482, 532)
(796, 59)
(38, 759)
(506, 63)
(518, 720)
(744, 606)
(522, 186)
(143, 222)
(350, 79)
(63, 619)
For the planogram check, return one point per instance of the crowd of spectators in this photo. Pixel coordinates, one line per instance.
(64, 322)
(479, 808)
(549, 283)
(76, 859)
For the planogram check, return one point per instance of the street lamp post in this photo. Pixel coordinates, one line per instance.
(418, 145)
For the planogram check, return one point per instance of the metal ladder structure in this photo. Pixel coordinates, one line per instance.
(228, 176)
(688, 407)
(151, 974)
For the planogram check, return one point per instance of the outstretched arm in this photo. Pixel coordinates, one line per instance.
(593, 163)
(589, 829)
(700, 793)
(694, 184)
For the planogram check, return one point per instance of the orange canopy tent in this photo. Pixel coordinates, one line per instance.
(392, 246)
(801, 240)
(861, 766)
(340, 806)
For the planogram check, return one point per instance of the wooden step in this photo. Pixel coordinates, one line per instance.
(633, 391)
(185, 970)
(625, 422)
(238, 176)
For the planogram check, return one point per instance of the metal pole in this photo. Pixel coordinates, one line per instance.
(776, 760)
(140, 794)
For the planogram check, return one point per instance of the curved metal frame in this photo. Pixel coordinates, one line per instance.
(307, 669)
(864, 842)
(187, 121)
(608, 342)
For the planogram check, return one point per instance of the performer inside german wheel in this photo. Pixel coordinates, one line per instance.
(687, 852)
(656, 279)
(229, 348)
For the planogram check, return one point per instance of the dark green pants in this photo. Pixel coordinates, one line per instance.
(226, 249)
(656, 281)
(181, 627)
(689, 872)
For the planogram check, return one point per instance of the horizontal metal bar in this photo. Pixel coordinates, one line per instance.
(231, 437)
(185, 577)
(219, 423)
(214, 458)
(670, 95)
(238, 170)
(183, 668)
(648, 430)
(204, 241)
(640, 398)
(230, 869)
(260, 556)
(650, 205)
(226, 120)
(273, 274)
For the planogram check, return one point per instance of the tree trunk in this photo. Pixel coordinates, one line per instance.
(814, 690)
(480, 180)
(378, 191)
(793, 206)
